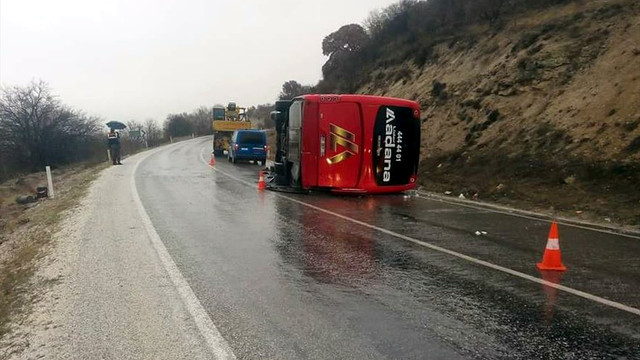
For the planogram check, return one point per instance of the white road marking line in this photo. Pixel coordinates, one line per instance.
(523, 214)
(217, 344)
(202, 157)
(534, 279)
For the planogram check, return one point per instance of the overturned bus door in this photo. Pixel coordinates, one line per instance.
(340, 130)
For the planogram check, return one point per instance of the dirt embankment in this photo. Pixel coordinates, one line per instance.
(27, 229)
(542, 113)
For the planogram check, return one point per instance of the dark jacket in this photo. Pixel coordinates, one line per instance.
(113, 139)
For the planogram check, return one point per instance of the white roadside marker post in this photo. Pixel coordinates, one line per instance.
(50, 182)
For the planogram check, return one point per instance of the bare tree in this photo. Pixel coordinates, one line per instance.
(133, 125)
(36, 129)
(201, 120)
(261, 115)
(153, 132)
(374, 23)
(177, 125)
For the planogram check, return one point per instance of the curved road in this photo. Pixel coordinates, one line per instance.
(281, 278)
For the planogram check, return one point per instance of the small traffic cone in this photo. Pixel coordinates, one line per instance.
(261, 183)
(212, 161)
(552, 258)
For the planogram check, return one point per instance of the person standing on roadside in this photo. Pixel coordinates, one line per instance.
(113, 140)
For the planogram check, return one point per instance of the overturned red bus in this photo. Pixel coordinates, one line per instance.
(346, 143)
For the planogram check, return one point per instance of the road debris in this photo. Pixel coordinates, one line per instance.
(25, 199)
(42, 192)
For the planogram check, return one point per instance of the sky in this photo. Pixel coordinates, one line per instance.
(138, 59)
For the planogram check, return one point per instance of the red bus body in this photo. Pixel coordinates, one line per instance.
(354, 143)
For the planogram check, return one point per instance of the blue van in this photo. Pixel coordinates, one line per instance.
(248, 145)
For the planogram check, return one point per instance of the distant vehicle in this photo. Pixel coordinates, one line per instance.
(346, 143)
(248, 145)
(225, 122)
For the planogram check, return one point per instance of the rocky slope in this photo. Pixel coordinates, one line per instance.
(543, 112)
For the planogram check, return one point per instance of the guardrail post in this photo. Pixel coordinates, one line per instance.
(50, 182)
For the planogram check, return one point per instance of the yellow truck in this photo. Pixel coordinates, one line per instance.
(225, 122)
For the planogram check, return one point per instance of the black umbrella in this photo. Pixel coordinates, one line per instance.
(116, 125)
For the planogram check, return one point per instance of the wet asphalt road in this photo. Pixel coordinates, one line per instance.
(283, 280)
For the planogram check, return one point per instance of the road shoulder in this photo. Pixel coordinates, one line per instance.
(102, 289)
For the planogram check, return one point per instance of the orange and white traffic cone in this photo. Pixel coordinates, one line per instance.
(552, 258)
(261, 183)
(212, 161)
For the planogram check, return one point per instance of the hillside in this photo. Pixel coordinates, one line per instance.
(542, 111)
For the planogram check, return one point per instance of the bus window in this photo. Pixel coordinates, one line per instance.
(396, 145)
(295, 124)
(293, 152)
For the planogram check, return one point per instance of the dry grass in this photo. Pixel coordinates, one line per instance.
(28, 229)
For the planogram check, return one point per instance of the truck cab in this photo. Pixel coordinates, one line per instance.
(347, 143)
(225, 122)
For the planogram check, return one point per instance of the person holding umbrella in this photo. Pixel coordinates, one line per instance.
(113, 141)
